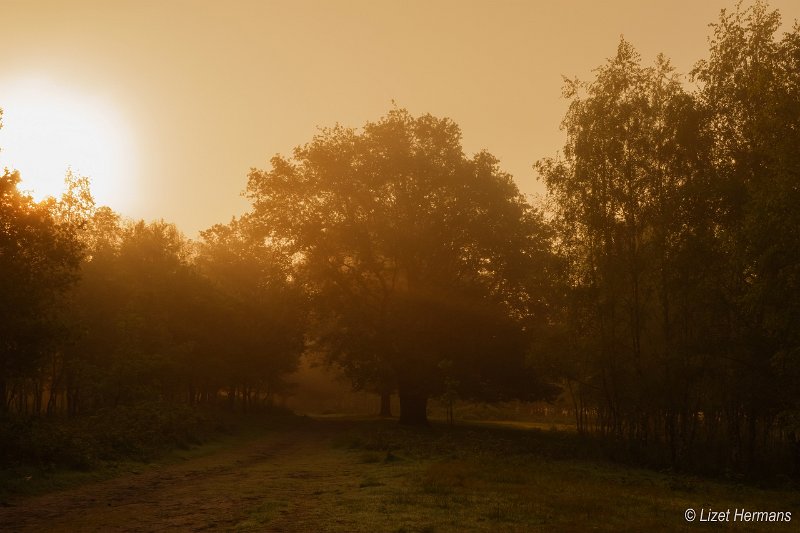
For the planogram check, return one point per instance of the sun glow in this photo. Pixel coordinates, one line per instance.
(48, 129)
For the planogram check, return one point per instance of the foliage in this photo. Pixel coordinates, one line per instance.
(39, 256)
(412, 253)
(100, 313)
(673, 212)
(126, 432)
(751, 102)
(258, 326)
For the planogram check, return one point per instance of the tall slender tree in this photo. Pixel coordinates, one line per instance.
(750, 97)
(625, 212)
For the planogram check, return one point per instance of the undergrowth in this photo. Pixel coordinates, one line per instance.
(56, 446)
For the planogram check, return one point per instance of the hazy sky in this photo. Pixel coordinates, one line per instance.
(167, 104)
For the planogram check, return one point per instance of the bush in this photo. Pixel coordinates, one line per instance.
(129, 432)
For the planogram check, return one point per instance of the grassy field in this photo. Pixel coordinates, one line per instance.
(487, 479)
(369, 475)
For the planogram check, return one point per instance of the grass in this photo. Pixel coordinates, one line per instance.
(487, 479)
(40, 477)
(362, 475)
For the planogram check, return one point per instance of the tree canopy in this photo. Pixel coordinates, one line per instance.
(676, 214)
(39, 258)
(421, 262)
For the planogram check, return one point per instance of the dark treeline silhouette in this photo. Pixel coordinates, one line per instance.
(677, 217)
(657, 286)
(99, 313)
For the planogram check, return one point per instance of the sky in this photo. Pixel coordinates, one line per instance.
(166, 105)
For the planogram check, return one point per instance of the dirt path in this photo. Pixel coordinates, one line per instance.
(268, 484)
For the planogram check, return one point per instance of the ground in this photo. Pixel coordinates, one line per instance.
(374, 476)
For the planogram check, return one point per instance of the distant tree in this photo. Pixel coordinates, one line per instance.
(133, 328)
(73, 211)
(258, 334)
(413, 255)
(39, 258)
(97, 304)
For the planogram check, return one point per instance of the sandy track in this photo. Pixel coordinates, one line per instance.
(278, 475)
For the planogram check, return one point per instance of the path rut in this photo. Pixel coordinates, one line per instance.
(276, 477)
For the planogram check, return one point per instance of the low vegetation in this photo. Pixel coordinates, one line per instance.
(42, 454)
(491, 479)
(367, 475)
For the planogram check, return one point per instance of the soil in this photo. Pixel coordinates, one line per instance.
(275, 478)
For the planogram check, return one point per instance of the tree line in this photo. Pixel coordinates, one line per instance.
(656, 285)
(676, 214)
(99, 312)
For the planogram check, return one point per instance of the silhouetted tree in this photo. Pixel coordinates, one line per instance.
(674, 214)
(258, 334)
(750, 97)
(622, 198)
(39, 258)
(413, 254)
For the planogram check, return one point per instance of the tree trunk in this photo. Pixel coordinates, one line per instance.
(386, 405)
(232, 398)
(3, 395)
(413, 408)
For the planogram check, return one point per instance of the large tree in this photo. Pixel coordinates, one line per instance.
(424, 265)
